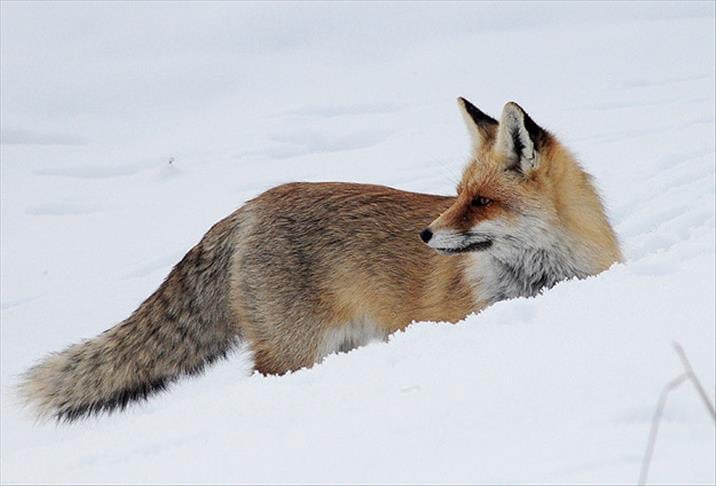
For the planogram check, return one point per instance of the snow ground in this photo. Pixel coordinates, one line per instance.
(96, 99)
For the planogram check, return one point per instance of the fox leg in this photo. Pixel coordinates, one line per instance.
(290, 351)
(284, 348)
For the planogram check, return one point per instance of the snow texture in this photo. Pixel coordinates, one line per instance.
(98, 98)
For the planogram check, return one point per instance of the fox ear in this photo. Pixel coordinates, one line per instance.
(482, 127)
(520, 138)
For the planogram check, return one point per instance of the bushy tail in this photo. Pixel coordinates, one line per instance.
(183, 326)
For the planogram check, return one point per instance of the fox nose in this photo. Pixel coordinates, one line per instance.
(426, 234)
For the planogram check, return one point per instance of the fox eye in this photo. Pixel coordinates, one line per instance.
(480, 202)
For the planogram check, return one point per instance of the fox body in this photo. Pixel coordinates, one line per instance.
(308, 269)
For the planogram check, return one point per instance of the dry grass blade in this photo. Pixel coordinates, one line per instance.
(688, 374)
(696, 382)
(656, 419)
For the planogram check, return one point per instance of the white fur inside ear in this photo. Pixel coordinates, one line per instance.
(514, 139)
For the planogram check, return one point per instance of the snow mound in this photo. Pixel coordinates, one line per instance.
(122, 144)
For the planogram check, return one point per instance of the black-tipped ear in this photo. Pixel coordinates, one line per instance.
(478, 117)
(520, 138)
(482, 127)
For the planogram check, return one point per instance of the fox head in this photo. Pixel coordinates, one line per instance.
(523, 194)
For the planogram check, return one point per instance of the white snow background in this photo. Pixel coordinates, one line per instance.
(97, 98)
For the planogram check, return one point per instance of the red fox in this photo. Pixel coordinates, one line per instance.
(308, 269)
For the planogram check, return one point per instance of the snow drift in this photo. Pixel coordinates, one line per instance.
(127, 131)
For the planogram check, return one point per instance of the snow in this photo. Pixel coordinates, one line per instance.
(96, 100)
